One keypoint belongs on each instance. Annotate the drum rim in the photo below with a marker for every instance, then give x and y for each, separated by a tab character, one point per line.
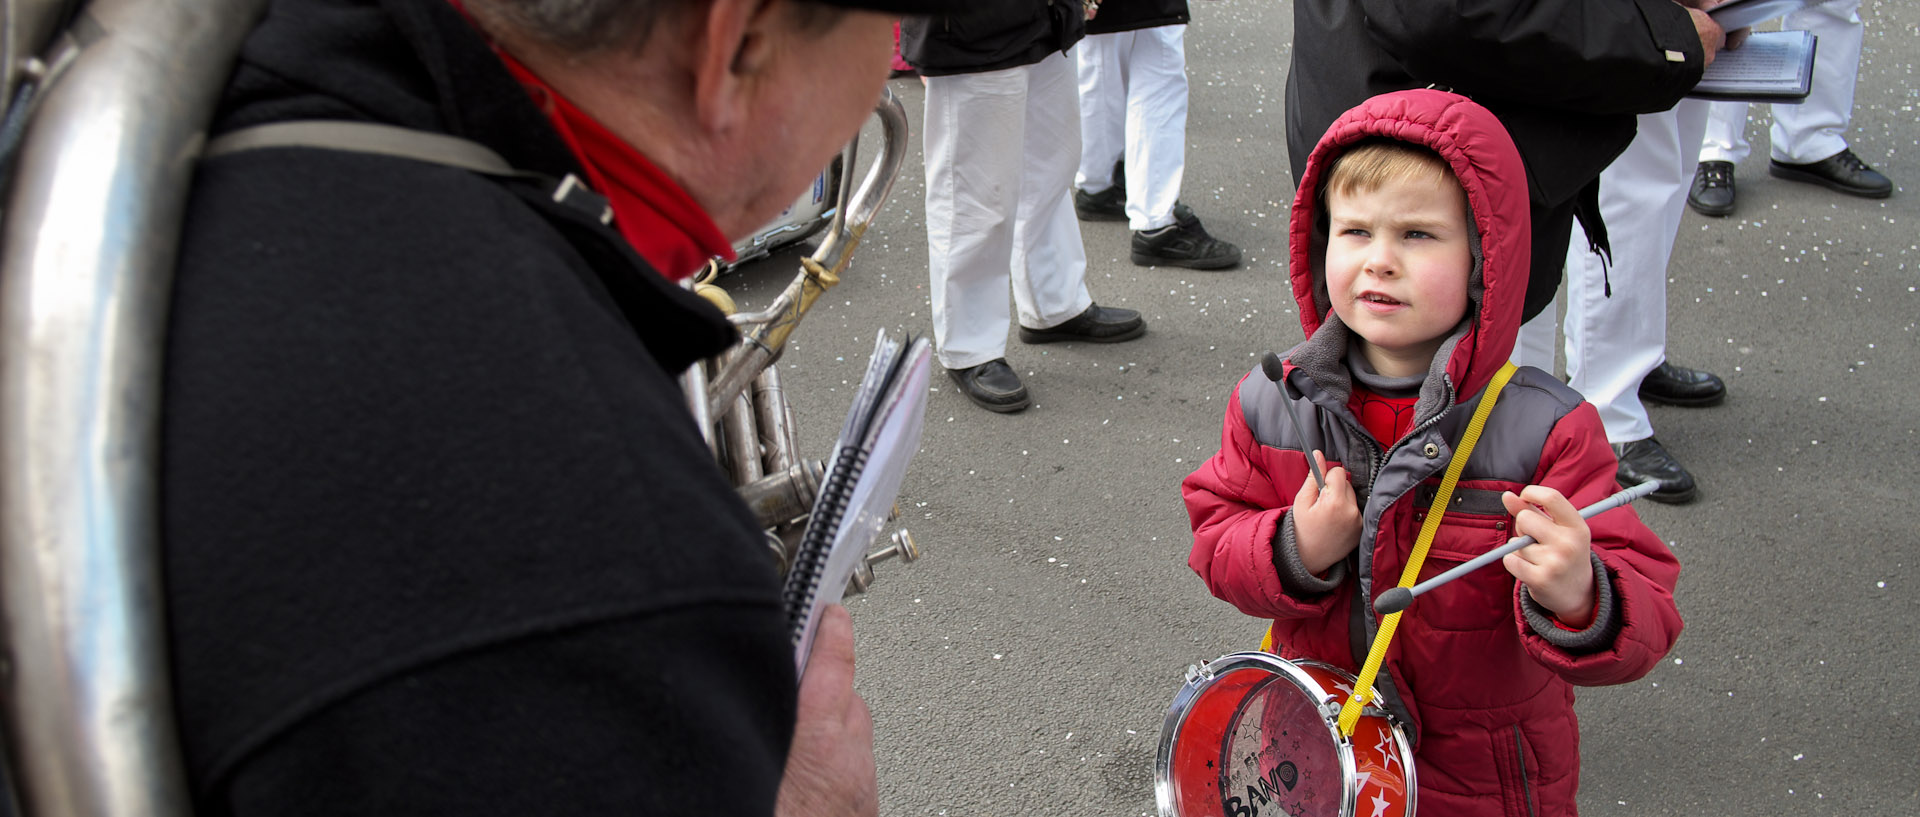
1206	674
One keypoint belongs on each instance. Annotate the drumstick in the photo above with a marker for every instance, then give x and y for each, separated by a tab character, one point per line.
1397	599
1278	374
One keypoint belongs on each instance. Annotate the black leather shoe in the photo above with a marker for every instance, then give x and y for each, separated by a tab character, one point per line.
1107	205
1099	324
1681	386
1842	171
993	386
1184	243
1643	460
1712	192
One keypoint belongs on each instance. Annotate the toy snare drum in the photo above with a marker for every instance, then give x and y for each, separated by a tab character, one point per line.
1254	734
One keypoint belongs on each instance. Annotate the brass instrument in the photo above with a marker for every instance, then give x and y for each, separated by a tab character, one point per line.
92	223
738	399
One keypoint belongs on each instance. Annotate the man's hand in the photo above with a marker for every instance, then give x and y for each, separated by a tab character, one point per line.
830	770
1712	37
1557	568
1326	523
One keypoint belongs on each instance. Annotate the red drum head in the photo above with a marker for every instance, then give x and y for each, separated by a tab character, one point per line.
1253	734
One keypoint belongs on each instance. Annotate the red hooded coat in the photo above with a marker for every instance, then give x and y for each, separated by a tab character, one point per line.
1482	675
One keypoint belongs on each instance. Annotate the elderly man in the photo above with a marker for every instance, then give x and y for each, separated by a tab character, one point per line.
441	537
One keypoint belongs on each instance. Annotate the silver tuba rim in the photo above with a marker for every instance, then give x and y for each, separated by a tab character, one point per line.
92	227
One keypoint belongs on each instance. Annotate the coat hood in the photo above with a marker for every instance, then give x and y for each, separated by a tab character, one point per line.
1484	159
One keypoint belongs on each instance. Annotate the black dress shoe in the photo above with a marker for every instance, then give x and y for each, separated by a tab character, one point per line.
1842	171
1712	191
1107	205
1681	386
993	386
1644	460
1099	324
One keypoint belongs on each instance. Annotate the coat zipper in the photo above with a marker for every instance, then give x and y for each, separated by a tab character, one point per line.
1526	785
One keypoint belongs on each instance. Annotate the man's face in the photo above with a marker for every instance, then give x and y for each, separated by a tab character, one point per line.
811	106
1397	266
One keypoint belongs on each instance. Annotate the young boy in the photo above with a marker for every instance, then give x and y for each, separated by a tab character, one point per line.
1409	262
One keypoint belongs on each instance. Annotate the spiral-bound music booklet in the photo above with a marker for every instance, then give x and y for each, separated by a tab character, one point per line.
862	479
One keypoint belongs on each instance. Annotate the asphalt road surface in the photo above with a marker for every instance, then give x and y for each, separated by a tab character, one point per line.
1024	666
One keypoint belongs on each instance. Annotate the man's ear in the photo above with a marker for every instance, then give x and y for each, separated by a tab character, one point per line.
736	45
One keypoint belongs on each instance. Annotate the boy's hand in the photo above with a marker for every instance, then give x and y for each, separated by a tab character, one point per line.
1558	567
1326	523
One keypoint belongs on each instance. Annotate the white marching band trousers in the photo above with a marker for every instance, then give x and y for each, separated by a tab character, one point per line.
1133	103
1001	147
1613	342
1814	129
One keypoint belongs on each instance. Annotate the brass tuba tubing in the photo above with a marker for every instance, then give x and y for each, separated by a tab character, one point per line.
783	496
92	227
773	415
742	442
694	383
767	331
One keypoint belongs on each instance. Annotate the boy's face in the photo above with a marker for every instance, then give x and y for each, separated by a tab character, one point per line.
1397	267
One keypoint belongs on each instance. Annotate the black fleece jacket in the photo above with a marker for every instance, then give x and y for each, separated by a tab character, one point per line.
440	536
992	35
1132	15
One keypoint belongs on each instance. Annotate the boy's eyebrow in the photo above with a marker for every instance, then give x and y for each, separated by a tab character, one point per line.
1422	223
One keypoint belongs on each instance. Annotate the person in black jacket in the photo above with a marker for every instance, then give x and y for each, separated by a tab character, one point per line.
1002	139
1567	78
1133	107
440	535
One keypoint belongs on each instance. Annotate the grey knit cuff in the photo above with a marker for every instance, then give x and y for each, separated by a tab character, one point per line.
1294	576
1597	636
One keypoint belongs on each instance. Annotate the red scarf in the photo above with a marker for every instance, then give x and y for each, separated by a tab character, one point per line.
664	224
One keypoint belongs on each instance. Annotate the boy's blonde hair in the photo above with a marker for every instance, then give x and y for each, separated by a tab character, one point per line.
1373	163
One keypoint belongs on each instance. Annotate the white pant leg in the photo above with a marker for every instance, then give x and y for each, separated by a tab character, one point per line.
1613	342
1049	264
1534	346
974	127
1817	128
1156	125
1726	139
1102	64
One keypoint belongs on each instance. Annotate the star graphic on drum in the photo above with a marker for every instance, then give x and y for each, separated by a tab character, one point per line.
1343	688
1379	806
1384	749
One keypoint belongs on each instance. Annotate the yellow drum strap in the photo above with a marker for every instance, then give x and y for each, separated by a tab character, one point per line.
1363	688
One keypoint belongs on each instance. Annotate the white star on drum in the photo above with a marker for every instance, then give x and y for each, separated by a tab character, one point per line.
1379	806
1388	757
